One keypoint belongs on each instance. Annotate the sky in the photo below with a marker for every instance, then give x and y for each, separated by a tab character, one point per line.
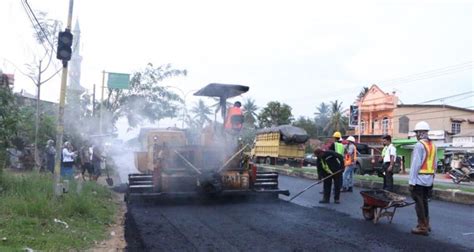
297	52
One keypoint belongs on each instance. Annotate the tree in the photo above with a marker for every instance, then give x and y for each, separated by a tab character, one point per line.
250	112
321	119
201	114
145	99
362	93
337	122
308	125
9	118
275	114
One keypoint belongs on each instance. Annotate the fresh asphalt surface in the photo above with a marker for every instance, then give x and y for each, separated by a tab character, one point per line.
302	225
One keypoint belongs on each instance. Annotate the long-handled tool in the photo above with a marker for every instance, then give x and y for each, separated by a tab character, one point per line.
315	183
109	180
188	163
232	158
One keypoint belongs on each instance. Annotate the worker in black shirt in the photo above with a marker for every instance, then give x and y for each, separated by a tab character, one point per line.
330	163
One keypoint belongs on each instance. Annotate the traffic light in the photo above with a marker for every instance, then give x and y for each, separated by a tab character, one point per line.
64	51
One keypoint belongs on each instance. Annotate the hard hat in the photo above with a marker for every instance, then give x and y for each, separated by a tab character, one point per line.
351	139
336	134
422	126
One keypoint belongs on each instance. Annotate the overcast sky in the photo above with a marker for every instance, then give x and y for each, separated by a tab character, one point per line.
298	52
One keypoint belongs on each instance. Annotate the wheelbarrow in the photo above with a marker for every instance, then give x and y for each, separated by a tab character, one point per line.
382	203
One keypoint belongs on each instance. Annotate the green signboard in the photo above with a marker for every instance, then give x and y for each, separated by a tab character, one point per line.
118	80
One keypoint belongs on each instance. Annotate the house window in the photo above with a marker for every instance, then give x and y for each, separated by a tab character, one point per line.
385	126
403	123
362	126
455	127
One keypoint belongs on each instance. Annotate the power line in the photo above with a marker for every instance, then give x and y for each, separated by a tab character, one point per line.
443	69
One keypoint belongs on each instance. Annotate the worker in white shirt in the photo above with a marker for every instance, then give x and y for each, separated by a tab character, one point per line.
389	155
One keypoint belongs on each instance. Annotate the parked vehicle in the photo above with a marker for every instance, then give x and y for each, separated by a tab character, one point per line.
280	145
370	161
309	159
465	172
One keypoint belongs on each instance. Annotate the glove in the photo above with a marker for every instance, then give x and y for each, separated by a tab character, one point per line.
411	187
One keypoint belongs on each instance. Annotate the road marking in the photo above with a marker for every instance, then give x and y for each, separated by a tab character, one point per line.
472	233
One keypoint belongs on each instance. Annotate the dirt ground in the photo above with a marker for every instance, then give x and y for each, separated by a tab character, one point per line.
116	232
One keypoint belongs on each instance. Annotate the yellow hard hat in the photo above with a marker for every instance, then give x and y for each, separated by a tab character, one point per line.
336	134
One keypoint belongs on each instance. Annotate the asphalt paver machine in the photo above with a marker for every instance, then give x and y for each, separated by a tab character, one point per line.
174	163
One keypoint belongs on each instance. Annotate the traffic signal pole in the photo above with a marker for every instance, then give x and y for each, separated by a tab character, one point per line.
58	187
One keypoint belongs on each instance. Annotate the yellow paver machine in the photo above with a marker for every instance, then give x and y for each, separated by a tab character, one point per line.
172	162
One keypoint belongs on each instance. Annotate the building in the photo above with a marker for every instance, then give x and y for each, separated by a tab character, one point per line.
75	63
445	120
464	140
376	115
381	114
6	80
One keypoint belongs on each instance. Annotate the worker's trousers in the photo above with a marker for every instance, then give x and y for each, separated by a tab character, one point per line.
420	195
337	178
347	181
388	177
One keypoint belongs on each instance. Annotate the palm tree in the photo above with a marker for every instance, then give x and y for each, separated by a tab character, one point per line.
250	111
321	118
362	93
201	113
336	119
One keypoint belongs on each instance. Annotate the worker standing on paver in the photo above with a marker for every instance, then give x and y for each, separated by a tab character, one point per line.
421	179
389	154
350	159
330	163
234	118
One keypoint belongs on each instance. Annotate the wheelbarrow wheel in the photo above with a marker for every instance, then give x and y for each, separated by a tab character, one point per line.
368	212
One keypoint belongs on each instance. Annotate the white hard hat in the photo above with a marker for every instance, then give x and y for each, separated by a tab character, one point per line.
351	139
422	126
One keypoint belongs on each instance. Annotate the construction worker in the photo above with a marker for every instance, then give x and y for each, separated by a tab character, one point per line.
350	159
389	154
338	147
330	163
423	166
234	118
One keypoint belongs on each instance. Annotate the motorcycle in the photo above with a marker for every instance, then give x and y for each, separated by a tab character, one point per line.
463	174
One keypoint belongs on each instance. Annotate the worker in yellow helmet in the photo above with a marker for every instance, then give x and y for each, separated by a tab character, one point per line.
338	147
421	178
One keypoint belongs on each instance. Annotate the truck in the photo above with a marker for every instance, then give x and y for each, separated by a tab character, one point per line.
279	145
369	160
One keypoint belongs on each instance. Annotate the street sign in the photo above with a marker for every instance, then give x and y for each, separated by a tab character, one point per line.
354	116
118	80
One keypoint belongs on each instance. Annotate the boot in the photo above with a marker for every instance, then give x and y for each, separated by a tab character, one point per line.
324	201
420	229
428	226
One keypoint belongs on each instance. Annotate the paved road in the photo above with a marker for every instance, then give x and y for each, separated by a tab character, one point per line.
453	223
243	225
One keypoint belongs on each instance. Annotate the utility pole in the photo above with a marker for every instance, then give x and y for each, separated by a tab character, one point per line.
359	119
38	95
101	102
58	188
93	101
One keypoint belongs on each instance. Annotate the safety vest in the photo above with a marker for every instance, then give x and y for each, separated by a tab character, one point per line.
326	167
233	111
348	160
428	165
339	148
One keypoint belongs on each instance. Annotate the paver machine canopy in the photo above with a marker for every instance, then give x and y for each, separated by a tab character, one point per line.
223	92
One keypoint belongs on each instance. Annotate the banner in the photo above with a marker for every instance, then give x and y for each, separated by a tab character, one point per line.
354	116
118	80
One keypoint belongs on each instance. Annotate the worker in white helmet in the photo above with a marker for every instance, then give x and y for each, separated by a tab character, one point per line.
421	179
350	160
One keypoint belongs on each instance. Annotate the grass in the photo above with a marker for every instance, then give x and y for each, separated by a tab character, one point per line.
28	209
398	181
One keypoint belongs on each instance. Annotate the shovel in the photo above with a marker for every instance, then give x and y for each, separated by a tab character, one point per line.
315	183
109	180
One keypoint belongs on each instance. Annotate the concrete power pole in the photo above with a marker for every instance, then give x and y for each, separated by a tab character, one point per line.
38	95
58	187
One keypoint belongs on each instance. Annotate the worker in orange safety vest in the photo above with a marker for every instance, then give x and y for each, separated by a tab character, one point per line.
421	178
234	117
